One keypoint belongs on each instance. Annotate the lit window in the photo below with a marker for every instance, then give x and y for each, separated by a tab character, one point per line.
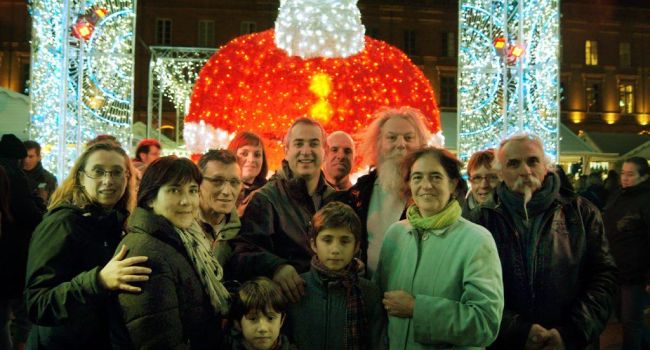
626	97
591	53
624	55
206	33
163	31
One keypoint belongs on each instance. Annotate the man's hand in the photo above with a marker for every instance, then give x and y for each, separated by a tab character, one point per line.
119	272
399	303
537	337
293	287
554	341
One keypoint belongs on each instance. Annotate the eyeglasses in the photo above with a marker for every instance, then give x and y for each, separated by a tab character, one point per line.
99	173
478	178
219	181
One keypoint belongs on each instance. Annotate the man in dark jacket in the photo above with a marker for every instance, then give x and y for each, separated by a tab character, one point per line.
558	274
27	212
41	181
627	223
273	239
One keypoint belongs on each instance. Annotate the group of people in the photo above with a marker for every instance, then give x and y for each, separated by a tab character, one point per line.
213	255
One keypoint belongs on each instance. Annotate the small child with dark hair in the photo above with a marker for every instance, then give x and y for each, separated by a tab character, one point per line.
339	310
258	310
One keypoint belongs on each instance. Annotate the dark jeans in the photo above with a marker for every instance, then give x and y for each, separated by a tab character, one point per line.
633	300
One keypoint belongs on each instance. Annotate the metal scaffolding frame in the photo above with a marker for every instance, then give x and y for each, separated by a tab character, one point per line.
172	73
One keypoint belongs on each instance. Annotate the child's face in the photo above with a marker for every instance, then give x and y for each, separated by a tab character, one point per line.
261	331
335	247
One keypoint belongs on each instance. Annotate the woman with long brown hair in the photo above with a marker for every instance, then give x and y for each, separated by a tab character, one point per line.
71	268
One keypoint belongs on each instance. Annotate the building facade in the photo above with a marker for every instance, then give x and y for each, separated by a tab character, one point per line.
605	72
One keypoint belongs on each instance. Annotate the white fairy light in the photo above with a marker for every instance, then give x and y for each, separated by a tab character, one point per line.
311	28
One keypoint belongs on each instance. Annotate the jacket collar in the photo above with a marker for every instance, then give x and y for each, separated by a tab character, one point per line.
298	186
642	187
37	169
145	221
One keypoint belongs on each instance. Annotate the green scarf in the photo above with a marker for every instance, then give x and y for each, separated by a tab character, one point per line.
449	215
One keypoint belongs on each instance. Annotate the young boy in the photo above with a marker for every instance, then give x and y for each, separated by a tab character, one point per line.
339	309
258	310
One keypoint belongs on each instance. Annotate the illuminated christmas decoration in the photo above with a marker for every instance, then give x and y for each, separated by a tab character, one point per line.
172	73
251	84
86	23
508	73
81	75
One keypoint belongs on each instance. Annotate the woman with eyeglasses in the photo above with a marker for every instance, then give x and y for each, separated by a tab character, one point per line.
180	307
483	178
71	270
251	156
439	273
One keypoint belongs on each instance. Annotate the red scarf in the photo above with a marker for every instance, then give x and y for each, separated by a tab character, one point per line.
356	323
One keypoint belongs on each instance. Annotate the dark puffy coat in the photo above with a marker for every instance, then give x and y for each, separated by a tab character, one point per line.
63	296
27	212
627	223
275	227
172	311
573	282
39	175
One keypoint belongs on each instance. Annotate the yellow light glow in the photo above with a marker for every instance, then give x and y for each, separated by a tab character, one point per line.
643	119
576	117
321	85
321	111
610	118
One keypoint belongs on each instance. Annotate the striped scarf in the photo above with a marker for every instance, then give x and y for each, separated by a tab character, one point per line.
206	265
356	323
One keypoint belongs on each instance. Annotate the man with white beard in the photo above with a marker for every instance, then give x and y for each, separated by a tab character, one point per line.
558	274
377	197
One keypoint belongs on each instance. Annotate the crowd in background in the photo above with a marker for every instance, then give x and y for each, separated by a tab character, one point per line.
161	252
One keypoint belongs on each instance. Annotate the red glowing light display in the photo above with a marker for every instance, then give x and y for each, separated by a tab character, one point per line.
250	84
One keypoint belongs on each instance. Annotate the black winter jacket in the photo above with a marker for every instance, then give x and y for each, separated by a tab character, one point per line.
172	311
63	296
39	175
573	280
27	211
627	223
275	227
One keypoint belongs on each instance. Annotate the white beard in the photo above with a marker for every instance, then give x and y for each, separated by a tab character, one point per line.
528	190
389	175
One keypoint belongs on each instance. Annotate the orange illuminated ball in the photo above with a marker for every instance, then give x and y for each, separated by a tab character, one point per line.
250	84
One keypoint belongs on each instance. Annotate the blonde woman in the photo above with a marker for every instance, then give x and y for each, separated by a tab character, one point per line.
71	268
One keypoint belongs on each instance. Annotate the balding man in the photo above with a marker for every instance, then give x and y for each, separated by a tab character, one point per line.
339	158
558	274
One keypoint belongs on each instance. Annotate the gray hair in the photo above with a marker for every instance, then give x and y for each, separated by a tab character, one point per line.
524	136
